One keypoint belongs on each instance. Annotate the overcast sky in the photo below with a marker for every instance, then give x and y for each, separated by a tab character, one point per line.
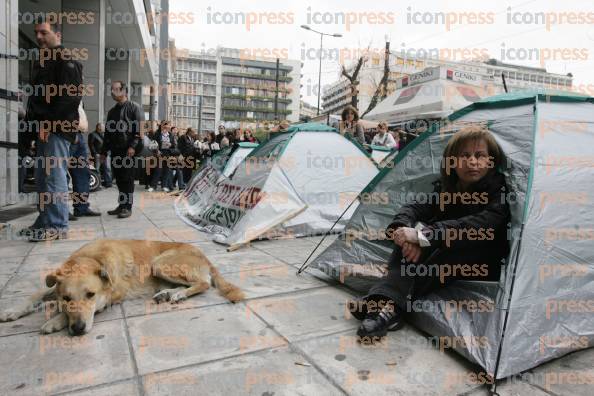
482	28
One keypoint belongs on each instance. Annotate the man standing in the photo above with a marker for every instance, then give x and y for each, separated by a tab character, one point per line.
123	139
188	151
53	115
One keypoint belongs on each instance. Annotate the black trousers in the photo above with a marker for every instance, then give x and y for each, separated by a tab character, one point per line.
123	170
407	282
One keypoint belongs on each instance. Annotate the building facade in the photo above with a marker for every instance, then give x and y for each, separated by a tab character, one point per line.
338	95
194	91
114	40
224	88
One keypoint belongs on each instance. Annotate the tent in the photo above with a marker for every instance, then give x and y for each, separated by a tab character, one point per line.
296	183
541	307
236	156
379	153
434	99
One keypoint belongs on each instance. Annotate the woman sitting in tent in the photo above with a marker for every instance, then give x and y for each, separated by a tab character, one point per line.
349	124
459	235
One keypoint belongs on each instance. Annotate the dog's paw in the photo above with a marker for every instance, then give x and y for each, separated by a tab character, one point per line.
178	296
54	324
162	296
9	316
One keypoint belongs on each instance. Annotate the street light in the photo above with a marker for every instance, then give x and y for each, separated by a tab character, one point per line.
320	70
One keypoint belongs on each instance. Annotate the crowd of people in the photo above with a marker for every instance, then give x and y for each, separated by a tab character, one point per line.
169	154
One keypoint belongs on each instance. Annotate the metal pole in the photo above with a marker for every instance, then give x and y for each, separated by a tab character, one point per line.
320	73
200	114
276	94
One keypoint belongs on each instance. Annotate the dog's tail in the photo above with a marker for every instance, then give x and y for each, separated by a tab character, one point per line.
228	290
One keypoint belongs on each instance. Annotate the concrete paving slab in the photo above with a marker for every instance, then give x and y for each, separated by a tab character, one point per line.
405	363
9	266
572	374
126	388
187	337
305	314
242	261
510	387
31	364
24	284
270	281
15	249
273	372
43	263
60	246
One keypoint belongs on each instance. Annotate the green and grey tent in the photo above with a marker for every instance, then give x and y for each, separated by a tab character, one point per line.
543	303
296	183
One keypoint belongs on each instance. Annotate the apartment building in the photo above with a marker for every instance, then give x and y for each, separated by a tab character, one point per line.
223	87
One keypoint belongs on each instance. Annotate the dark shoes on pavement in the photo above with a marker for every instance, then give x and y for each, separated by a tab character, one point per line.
115	211
47	235
376	322
124	214
88	213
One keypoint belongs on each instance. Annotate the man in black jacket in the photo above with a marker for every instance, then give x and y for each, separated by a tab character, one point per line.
52	115
123	139
188	151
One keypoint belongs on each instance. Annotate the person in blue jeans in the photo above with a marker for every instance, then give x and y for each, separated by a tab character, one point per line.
54	120
79	171
51	183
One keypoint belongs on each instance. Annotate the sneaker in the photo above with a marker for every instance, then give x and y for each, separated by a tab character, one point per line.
48	235
166	189
72	217
124	214
89	213
151	189
388	319
116	211
26	232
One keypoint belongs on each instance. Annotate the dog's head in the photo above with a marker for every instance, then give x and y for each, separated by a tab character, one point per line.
82	288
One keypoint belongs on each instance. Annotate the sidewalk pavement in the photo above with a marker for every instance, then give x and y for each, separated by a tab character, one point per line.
291	336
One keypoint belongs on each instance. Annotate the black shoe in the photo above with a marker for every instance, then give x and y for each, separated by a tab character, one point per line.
48	235
26	232
89	213
388	319
72	217
124	214
116	211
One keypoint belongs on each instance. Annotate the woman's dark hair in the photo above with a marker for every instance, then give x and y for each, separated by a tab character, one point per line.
349	109
449	177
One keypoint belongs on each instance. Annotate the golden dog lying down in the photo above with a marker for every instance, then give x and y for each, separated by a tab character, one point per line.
104	272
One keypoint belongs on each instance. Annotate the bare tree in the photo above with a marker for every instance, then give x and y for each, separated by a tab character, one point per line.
381	91
353	79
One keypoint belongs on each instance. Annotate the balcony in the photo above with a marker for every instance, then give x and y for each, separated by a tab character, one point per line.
258	109
255	97
257	76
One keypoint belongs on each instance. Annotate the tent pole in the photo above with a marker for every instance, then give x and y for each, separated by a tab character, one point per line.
303	266
493	388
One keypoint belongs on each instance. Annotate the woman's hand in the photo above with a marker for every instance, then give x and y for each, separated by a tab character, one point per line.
406	234
411	252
